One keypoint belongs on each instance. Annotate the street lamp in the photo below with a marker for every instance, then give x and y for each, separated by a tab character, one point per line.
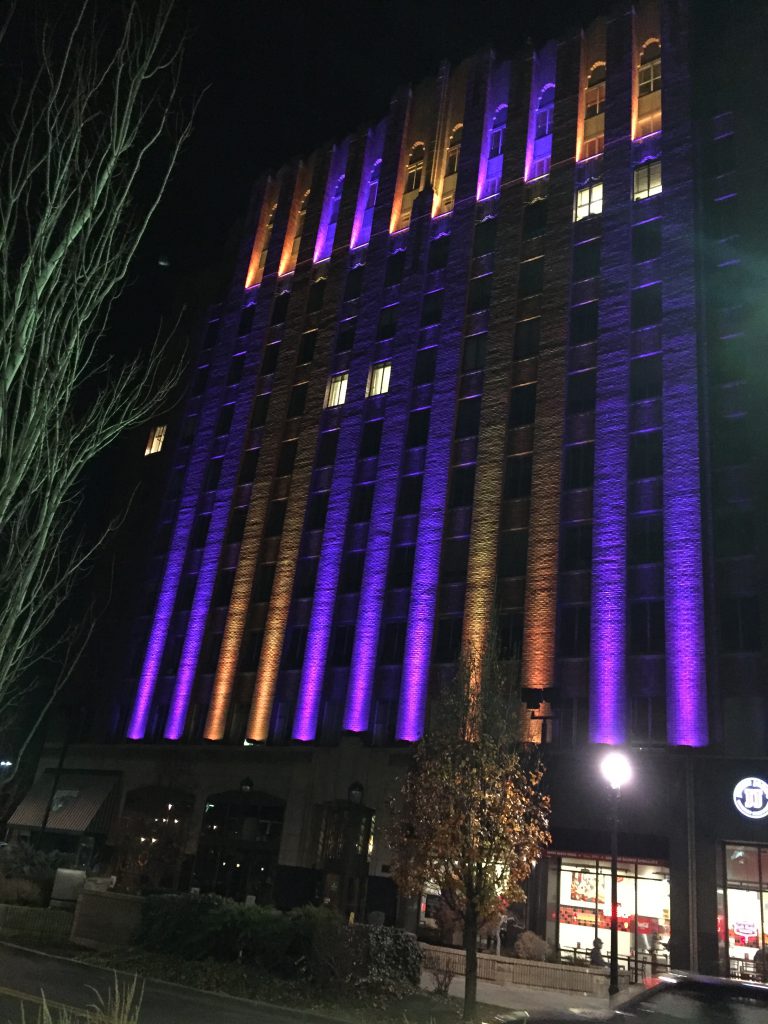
617	772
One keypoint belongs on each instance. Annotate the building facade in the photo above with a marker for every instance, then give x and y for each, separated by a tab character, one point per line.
493	364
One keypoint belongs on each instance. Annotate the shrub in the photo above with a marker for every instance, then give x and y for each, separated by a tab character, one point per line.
530	946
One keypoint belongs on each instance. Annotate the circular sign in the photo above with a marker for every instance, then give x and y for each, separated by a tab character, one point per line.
750	797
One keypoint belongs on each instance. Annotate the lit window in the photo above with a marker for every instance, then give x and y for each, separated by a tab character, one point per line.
333	213
378	380
373	186
496	143
649	124
595	97
589	201
649	72
545	112
592	147
415	168
336	390
454	147
155	440
647	180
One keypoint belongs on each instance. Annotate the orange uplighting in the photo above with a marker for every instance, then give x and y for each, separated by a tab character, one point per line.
296	222
263	236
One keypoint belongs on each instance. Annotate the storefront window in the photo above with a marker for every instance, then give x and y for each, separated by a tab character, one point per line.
584	907
746	874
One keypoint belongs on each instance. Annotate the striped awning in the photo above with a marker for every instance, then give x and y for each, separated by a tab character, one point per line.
77	800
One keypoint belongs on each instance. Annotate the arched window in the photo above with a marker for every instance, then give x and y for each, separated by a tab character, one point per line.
333	211
373	185
414	170
267	236
301	217
454	148
496	142
545	111
595	97
649	73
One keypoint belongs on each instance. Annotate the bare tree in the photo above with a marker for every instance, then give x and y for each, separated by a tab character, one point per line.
86	151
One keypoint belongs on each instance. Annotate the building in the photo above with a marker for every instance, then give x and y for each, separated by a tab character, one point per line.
499	356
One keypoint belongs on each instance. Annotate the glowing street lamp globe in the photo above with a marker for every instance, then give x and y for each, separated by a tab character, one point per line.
616	769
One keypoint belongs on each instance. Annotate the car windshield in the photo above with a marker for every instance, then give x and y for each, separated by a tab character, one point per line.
700	1004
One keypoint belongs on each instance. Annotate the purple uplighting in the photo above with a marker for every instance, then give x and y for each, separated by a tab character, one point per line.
326	233
369	186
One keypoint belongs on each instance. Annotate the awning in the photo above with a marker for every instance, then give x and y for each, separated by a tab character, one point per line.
77	801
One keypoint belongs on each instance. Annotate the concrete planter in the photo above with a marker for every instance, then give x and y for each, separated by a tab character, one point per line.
106	920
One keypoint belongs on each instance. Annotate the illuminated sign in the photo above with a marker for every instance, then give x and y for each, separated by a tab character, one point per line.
750	797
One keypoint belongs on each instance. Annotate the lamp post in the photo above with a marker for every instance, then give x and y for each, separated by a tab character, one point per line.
617	772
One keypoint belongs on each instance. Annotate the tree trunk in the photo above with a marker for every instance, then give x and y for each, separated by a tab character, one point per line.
470	971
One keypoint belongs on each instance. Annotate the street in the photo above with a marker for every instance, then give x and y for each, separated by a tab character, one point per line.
23	972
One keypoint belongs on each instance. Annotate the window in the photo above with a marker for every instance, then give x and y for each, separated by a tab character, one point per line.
527	335
260	407
573	630
295	642
371	440
646	539
268	228
594	100
479	293
223	589
373	185
645	378
211	655
246	320
387	323
201	377
395	266
409	498
301	218
269	359
646	306
645	455
353	284
576	551
462	487
225	419
286	458
336	390
341	645
213	475
298	400
732	441
352	572
307	348
496	135
513	553
326	448
646	241
315	297
485	237
522	406
468	418
646	627
392	644
517	476
345	339
401	566
362	503
535	218
437	258
414	170
236	527
589	201
647	180
306	574
453	566
586	260
509	636
735	532
545	112
531	278
418	428
581	392
474	353
649	72
317	510
424	370
432	308
579	466
447	640
251	650
740	624
155	440
378	379
280	308
236	367
454	148
584	323
248	466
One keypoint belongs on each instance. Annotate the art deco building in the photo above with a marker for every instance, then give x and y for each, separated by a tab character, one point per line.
501	357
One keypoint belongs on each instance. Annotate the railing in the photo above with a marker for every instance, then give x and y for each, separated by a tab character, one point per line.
747	970
636	966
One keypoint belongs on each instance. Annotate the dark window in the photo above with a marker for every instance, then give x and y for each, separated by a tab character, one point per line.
275	518
447	640
474	353
280	308
248	466
527	335
648	718
535	218
352	572
341	645
740	624
418	428
531	278
438	253
581	391
213	475
286	458
424	371
236	525
315	297
211	333
432	308
251	650
346	336
200	531
576	551
455	558
201	377
188	429
479	293
246	319
468	417
726	221
395	266
269	359
392	644
646	539
485	237
171	656
401	565
211	655
297	401
236	369
326	448
409	497
645	378
732	443
573	631
645	458
586	260
164	539
735	532
513	553
387	323
722	151
646	241
306	574
517	476
260	407
509	636
371	440
317	510
223	590
579	466
295	642
186	593
646	306
307	348
462	486
262	584
353	284
584	323
225	420
522	406
646	627
362	503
